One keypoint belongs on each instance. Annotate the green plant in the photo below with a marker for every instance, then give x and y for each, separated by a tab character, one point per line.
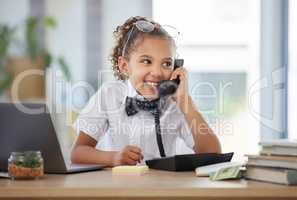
33	44
30	160
33	47
6	35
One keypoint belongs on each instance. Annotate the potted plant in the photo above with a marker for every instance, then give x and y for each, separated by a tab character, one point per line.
6	34
35	58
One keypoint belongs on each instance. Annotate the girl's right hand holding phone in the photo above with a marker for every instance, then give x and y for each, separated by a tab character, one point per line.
129	155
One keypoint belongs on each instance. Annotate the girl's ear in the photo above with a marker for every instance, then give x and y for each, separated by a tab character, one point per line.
123	65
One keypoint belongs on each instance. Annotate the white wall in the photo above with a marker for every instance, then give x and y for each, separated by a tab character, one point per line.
292	69
68	38
13	13
273	93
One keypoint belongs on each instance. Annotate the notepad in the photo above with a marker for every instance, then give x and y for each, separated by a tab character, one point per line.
130	170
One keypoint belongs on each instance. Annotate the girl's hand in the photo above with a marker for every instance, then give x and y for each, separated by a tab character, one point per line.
181	94
130	155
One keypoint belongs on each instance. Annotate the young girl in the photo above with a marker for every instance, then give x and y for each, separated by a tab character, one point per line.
131	130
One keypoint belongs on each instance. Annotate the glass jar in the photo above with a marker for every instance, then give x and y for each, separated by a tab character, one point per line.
25	165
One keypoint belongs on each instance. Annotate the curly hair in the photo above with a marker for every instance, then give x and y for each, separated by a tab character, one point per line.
126	41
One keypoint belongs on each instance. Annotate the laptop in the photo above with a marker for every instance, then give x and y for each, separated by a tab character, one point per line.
21	130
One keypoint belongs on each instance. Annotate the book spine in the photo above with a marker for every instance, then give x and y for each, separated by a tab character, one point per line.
292	177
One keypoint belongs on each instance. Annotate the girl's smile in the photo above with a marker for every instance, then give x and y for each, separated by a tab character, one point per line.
150	63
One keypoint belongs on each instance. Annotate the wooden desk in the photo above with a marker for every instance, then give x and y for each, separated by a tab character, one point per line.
154	185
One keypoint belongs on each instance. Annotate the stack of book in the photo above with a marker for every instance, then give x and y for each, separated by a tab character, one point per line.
276	163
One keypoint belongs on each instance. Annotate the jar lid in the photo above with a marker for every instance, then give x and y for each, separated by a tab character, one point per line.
26	153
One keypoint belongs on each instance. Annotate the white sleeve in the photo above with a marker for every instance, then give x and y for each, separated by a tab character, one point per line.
93	119
186	133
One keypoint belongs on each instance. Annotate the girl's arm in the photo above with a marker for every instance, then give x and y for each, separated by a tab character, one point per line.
84	152
205	140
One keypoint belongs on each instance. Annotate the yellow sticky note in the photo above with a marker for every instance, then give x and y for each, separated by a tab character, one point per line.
130	170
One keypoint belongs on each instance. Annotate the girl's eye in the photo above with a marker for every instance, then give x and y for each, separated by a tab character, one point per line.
146	61
167	64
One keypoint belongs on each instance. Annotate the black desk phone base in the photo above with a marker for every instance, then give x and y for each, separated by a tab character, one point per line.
188	162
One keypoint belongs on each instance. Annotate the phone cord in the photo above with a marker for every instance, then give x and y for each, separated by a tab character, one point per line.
156	114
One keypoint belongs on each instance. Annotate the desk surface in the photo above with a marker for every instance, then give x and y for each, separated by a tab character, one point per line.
154	185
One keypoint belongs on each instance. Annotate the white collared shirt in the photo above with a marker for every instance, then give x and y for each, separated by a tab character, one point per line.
105	119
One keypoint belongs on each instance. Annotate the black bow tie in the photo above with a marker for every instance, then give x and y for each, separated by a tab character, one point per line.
132	107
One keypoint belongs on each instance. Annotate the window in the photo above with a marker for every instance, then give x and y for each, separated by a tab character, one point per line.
292	70
220	44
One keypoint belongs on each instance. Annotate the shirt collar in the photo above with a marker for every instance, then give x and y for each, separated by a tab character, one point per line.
132	92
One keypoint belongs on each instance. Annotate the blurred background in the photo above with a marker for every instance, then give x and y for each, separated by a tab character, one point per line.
240	55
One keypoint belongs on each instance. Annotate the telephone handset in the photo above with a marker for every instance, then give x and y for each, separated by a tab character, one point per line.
168	87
